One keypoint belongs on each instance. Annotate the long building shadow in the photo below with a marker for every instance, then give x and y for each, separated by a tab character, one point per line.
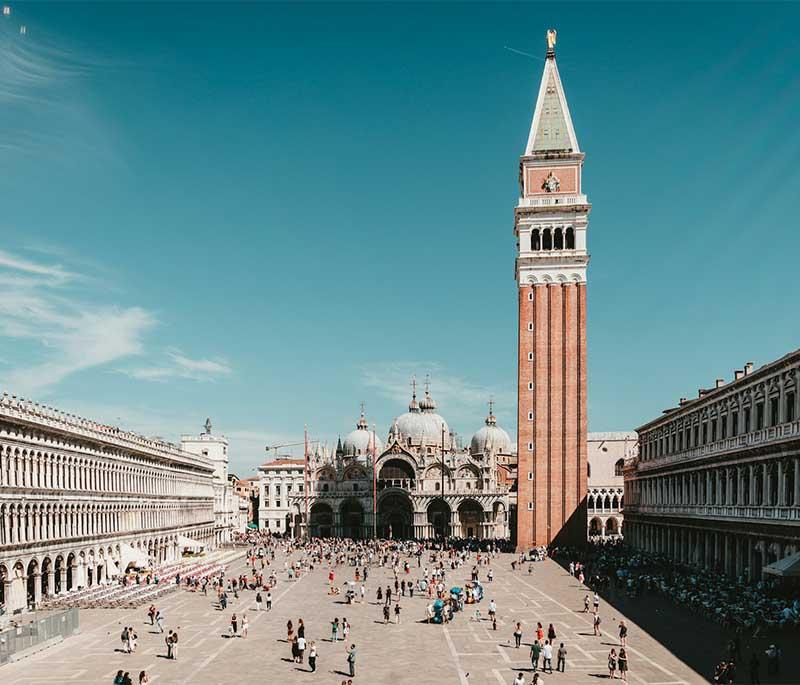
698	641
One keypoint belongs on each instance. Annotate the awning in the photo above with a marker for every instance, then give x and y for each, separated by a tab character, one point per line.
188	543
132	558
788	567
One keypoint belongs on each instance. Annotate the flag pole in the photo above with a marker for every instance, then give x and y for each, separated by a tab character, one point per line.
306	479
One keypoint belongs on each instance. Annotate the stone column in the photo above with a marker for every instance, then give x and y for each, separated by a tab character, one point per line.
37	589
728	555
51	582
781	484
765	497
752	485
62	579
797	478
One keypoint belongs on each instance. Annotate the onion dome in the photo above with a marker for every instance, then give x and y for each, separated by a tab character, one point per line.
421	424
490	438
358	443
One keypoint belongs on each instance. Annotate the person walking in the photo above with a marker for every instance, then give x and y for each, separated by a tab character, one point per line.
160	620
301	648
168	642
312	656
622	664
518	635
335	629
547	653
596	625
612	663
124	639
234	626
586	602
397	613
536	650
245	625
596	602
562	658
259	601
351	660
519	680
269	600
144	679
551	633
385	614
623	633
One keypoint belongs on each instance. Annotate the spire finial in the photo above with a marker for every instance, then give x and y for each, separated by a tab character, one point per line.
491	420
362	422
207	426
413	406
427	384
551	42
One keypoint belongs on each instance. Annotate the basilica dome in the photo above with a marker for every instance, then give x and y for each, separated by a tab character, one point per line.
421	426
358	442
490	438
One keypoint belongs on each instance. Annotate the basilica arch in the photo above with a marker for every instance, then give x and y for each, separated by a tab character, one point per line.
321	522
439	517
470	515
351	516
395	516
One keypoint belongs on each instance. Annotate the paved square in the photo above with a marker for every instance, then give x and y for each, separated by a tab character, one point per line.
465	651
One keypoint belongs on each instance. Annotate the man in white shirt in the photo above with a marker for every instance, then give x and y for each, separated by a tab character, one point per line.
519	680
547	653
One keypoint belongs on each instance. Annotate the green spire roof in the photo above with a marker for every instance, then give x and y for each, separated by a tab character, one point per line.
552	125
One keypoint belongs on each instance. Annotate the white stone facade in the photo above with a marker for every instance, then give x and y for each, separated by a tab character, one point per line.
280	485
607	453
717	479
75	493
226	502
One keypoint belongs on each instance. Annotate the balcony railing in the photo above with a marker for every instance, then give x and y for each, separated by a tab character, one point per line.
789	514
402	483
784	431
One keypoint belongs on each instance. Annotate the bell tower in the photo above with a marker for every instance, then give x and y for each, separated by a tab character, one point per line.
550	223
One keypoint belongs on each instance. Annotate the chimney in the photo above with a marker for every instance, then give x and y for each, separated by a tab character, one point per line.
737	374
719	382
682	401
748	368
701	392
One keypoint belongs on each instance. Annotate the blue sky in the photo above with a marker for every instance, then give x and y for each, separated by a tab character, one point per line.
266	213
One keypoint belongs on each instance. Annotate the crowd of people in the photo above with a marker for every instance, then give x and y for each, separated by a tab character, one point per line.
395	573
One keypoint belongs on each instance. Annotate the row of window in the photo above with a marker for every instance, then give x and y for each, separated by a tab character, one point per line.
731	424
553	239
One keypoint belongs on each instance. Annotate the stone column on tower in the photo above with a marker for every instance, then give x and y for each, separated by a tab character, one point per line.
551	220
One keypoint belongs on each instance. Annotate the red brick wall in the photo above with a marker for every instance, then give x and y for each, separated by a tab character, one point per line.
558	402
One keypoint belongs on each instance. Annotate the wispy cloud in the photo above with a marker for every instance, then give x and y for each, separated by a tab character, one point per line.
179	365
36	304
62	329
43	108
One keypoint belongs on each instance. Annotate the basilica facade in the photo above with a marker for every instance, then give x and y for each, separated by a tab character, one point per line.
420	484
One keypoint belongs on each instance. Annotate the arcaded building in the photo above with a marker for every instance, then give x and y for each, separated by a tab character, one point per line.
717	479
550	225
607	453
420	484
80	500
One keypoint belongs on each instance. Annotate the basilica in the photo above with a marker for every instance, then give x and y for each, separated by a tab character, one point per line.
420	484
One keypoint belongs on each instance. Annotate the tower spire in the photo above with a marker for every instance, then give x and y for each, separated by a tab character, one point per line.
551	129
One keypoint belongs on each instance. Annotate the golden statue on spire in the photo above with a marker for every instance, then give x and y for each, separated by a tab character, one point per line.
551	40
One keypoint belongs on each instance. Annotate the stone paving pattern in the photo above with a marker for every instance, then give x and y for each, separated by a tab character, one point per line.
465	651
